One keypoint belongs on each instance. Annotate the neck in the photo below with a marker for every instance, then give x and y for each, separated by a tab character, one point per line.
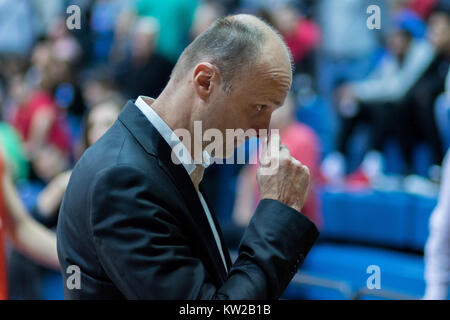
177	110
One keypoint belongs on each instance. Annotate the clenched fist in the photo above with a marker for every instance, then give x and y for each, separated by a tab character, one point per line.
280	176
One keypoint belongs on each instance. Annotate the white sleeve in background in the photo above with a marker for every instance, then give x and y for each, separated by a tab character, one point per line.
395	81
437	248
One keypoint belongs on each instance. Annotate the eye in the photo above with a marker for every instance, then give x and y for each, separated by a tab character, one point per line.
259	107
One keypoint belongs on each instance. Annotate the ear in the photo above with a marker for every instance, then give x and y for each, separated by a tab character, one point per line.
204	76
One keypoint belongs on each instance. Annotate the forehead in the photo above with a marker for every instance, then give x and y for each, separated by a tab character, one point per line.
269	81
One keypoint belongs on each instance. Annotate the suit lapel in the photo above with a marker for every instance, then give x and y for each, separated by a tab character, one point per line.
150	139
182	180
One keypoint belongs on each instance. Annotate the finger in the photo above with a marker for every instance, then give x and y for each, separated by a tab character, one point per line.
263	154
284	152
296	162
274	144
305	168
283	146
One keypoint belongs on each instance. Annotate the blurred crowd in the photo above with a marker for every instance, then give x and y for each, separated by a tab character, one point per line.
361	99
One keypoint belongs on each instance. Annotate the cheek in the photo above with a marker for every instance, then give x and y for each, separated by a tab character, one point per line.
262	122
230	119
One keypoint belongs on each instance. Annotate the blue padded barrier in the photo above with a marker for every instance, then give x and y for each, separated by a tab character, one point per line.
311	286
367	216
392	219
52	285
401	273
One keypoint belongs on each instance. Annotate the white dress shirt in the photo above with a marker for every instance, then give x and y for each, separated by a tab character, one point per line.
185	157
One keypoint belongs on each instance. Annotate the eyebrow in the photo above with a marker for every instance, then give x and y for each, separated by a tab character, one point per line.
276	102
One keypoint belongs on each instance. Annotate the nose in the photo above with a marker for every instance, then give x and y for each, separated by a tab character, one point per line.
262	130
265	125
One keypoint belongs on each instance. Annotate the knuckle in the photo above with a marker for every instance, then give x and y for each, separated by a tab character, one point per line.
284	154
296	162
284	160
284	149
306	169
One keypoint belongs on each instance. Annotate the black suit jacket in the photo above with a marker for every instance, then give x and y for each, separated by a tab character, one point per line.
132	221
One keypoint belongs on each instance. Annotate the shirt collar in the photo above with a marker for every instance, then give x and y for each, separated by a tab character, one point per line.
169	136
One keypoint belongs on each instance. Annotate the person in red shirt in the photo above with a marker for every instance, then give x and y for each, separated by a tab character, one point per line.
301	35
423	7
35	115
39	121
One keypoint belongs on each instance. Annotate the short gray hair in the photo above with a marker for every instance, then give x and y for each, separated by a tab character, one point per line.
229	44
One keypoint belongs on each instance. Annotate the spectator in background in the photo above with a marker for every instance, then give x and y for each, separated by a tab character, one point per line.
437	248
422	7
416	118
375	100
64	46
348	46
37	118
97	121
26	235
301	34
176	16
98	85
146	72
40	59
303	145
204	16
65	56
25	275
103	21
47	143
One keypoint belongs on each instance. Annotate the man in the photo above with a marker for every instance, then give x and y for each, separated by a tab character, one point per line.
416	116
373	101
135	222
145	70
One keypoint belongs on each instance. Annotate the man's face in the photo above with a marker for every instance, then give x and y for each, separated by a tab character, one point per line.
100	119
49	162
439	31
249	105
143	45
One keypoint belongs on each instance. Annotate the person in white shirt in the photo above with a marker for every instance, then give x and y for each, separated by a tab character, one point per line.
437	248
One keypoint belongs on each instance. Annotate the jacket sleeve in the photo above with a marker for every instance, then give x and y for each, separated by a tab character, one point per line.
145	251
